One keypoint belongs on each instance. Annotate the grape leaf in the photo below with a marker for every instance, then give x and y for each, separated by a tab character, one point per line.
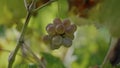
52	62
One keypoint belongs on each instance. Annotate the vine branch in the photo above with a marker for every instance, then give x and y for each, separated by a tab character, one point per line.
111	46
19	43
30	9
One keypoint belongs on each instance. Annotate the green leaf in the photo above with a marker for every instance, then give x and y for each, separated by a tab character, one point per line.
21	65
32	66
52	61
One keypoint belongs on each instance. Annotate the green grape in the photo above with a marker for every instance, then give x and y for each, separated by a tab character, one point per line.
57	40
50	29
46	39
67	42
66	22
57	21
71	29
60	29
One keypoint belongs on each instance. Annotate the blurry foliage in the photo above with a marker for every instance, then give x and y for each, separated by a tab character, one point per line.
56	62
109	16
89	47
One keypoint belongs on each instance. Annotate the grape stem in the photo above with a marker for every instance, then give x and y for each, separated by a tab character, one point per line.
112	44
49	2
26	5
30	10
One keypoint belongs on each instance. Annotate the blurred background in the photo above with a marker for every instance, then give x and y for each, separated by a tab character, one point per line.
89	46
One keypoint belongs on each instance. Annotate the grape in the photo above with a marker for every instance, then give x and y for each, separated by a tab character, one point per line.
57	40
50	29
52	46
57	21
60	29
47	39
66	22
60	33
67	42
74	27
71	36
71	29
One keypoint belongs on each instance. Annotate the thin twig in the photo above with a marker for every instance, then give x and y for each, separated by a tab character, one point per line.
26	5
12	55
34	55
112	43
8	51
5	50
49	2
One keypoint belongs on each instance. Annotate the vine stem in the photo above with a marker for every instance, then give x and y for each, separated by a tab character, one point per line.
20	41
12	55
112	43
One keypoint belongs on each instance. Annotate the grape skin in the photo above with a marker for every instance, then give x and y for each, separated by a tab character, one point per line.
60	29
47	39
66	22
57	40
57	21
71	29
67	42
50	29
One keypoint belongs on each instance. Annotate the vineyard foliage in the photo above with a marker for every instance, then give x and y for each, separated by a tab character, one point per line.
90	43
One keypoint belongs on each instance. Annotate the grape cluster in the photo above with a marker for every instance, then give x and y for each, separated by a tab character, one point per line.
59	33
